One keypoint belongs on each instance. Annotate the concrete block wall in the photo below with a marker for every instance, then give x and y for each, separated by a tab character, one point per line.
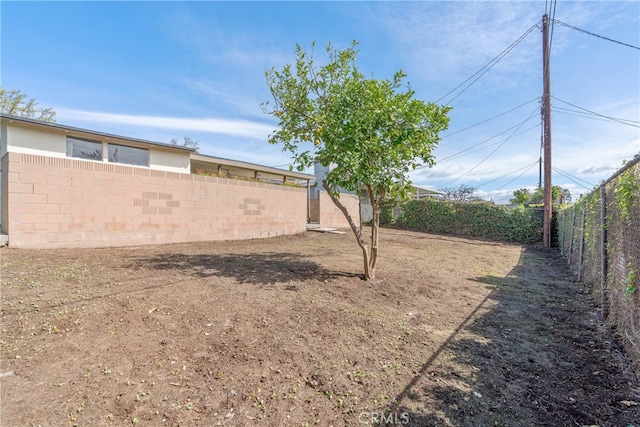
327	214
62	202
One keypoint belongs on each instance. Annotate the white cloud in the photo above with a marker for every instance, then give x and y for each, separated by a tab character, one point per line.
240	128
451	39
500	197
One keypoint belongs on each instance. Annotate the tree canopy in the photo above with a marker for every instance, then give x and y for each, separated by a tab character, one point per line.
526	197
369	132
18	103
464	193
186	142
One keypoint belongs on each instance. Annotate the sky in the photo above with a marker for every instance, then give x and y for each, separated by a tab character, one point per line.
164	70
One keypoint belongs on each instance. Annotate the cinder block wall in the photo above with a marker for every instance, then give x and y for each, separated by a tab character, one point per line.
58	202
327	214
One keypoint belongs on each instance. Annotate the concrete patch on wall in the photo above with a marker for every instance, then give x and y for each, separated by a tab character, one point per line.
251	206
155	203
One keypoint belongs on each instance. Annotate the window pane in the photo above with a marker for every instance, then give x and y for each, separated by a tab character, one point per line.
128	155
84	149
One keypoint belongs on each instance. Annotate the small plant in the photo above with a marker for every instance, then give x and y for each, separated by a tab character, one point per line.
630	281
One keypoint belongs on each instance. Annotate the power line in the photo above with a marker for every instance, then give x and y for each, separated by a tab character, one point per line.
486	68
466	150
530	166
527	167
582	114
461	152
489	119
595	35
573	178
553	17
497	148
621	121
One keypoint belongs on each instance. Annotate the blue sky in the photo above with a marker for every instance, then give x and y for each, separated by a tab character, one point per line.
160	70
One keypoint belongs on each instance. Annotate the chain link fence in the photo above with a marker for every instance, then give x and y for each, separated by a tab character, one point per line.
600	238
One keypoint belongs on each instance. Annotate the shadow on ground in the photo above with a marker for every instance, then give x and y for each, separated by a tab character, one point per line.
533	353
259	268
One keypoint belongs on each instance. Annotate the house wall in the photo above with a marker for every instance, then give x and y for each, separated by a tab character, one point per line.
20	139
63	202
366	210
3	151
314	210
169	161
4	205
326	213
33	141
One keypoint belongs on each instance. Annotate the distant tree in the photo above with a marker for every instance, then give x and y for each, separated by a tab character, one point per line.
371	132
186	142
464	193
18	103
527	198
521	197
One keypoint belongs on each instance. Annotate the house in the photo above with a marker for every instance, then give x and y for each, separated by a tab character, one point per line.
322	209
63	186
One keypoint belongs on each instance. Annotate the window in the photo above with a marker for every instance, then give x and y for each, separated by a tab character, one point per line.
84	149
128	155
92	150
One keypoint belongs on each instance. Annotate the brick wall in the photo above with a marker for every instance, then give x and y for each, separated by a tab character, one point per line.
59	202
327	214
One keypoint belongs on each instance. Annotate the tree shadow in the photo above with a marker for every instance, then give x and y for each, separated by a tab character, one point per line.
531	353
257	268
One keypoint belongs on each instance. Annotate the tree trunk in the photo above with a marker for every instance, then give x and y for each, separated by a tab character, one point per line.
375	225
356	231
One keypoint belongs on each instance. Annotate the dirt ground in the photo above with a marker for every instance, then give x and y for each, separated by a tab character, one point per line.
283	332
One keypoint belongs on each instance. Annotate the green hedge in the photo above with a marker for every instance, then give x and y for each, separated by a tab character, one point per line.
481	220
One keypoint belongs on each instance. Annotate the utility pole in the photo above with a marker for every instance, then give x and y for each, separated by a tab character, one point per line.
546	126
540	172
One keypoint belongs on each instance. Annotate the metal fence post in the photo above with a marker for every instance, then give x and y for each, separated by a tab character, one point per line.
581	248
603	250
573	226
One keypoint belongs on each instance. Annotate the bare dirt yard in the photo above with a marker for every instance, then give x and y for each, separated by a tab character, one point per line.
283	332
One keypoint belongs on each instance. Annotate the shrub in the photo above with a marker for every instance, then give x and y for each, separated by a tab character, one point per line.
482	220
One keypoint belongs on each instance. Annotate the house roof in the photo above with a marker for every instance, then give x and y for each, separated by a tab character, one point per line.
250	166
424	190
194	155
39	123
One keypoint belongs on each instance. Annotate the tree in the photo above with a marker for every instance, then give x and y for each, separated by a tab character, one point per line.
565	195
369	131
521	197
18	103
186	142
464	193
526	198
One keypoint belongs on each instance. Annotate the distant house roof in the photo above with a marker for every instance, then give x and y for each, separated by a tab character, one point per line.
11	118
421	193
